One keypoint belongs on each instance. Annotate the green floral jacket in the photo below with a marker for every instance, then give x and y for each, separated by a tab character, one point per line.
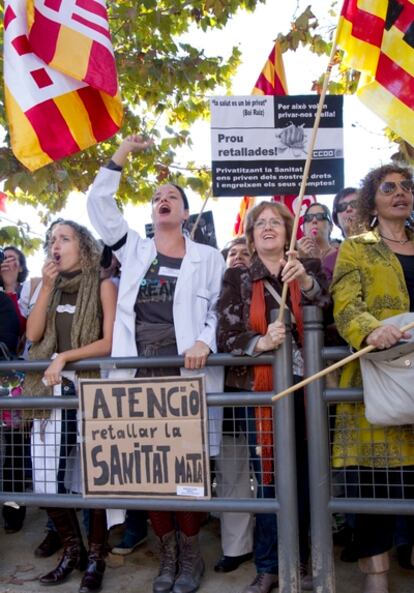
368	286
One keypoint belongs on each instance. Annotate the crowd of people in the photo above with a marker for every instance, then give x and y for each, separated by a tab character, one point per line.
169	295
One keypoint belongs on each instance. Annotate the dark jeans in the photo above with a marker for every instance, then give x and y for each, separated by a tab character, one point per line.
374	533
265	536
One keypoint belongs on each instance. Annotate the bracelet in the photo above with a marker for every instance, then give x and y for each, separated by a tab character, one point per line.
311	288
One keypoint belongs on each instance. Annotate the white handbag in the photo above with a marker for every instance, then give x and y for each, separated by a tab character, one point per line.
388	380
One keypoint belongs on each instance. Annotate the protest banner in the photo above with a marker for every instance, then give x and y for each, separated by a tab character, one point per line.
145	437
259	145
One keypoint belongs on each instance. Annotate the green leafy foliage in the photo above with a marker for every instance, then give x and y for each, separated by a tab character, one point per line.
164	85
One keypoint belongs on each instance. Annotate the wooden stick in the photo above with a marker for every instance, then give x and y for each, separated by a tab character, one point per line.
333	367
307	166
193	230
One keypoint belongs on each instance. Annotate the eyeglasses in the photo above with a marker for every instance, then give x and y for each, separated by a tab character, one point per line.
319	216
342	206
389	187
262	223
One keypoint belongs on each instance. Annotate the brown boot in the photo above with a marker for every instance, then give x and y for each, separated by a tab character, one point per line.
92	579
74	553
191	565
262	583
164	582
376	570
49	546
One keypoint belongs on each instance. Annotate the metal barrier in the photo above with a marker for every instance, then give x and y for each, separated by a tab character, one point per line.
285	502
323	500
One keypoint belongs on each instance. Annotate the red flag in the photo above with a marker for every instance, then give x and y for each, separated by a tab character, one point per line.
3	198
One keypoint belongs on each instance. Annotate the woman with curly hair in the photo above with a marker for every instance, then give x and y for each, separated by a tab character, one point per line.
71	320
374	280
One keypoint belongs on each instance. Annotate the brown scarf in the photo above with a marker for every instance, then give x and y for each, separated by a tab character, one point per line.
262	374
86	327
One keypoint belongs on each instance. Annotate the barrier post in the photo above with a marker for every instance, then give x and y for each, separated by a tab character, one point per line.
318	450
285	470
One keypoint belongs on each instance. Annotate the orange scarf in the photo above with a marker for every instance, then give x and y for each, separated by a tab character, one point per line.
263	373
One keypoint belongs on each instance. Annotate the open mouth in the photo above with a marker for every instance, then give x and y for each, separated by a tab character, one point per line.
164	209
56	258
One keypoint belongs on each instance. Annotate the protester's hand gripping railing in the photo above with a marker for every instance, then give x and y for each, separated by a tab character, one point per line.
284	440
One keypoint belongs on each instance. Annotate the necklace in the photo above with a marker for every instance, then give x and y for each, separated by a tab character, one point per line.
403	242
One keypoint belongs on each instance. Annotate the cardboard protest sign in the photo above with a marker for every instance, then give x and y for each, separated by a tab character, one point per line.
259	145
145	437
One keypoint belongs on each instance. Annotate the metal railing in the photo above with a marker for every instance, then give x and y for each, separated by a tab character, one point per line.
323	502
285	502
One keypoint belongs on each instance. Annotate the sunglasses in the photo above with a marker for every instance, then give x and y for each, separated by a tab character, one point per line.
319	216
389	187
342	206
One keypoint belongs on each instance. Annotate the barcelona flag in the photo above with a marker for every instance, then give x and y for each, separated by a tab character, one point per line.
61	88
377	37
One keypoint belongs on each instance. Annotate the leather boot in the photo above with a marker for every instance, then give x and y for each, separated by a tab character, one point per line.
92	579
191	565
376	570
74	553
168	564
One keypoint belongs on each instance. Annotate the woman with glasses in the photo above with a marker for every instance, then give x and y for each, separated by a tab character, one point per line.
374	280
247	298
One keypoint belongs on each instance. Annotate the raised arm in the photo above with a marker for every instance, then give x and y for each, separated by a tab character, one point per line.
103	211
36	322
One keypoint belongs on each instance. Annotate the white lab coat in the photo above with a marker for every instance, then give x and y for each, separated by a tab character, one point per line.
196	292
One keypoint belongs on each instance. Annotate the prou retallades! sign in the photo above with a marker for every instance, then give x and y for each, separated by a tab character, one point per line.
145	437
259	145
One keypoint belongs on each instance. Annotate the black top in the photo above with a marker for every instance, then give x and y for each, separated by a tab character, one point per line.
155	298
407	264
9	323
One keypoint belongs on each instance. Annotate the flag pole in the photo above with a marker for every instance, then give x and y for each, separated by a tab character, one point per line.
308	164
193	230
333	367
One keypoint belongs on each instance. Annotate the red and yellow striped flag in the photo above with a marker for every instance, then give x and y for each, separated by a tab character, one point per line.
377	37
271	81
61	88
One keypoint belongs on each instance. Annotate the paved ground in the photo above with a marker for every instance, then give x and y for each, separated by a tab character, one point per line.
19	569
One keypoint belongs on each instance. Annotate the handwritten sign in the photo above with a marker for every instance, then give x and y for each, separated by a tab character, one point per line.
145	437
259	145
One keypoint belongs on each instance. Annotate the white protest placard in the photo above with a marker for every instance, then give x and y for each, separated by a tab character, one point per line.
145	437
259	145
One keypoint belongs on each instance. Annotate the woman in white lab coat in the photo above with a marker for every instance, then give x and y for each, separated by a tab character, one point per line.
166	305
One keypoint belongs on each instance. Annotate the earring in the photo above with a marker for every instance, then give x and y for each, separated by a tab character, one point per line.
373	221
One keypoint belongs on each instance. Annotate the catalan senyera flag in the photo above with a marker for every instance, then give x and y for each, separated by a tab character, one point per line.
271	81
377	37
61	88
